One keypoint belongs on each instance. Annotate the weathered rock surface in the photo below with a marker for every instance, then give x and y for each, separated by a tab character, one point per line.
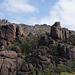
10	54
39	62
10	32
26	67
58	33
19	31
66	51
39	58
7	32
7	67
1	62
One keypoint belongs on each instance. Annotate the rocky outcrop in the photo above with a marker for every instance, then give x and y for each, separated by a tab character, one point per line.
38	62
4	21
19	31
59	33
41	60
66	51
10	32
7	32
1	62
56	31
7	67
26	67
10	54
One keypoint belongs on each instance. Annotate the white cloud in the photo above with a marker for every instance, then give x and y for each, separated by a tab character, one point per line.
16	6
63	11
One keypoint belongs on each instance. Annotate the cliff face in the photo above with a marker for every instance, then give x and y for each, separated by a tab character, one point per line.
59	33
7	32
10	32
21	52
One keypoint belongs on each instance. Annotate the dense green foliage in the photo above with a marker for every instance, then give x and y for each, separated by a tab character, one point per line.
27	44
61	69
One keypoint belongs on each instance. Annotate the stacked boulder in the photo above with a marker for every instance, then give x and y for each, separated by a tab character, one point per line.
59	33
66	51
19	31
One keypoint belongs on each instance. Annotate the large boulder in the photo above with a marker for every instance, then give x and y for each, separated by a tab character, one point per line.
8	67
10	31
1	62
66	51
10	54
56	31
7	32
19	31
62	50
59	33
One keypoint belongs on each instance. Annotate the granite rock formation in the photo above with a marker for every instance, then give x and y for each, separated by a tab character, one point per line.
66	51
20	54
9	54
59	33
10	32
7	32
7	67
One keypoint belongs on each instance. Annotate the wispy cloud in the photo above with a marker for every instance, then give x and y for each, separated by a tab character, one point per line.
24	11
16	6
62	11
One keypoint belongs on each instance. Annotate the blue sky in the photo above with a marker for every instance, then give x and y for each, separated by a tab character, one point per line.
33	12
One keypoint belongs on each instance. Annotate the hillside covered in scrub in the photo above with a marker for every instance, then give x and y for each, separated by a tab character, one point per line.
36	50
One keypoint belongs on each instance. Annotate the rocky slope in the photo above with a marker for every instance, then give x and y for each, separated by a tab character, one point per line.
26	49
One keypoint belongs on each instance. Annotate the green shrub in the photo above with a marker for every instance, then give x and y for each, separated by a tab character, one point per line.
26	44
66	73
